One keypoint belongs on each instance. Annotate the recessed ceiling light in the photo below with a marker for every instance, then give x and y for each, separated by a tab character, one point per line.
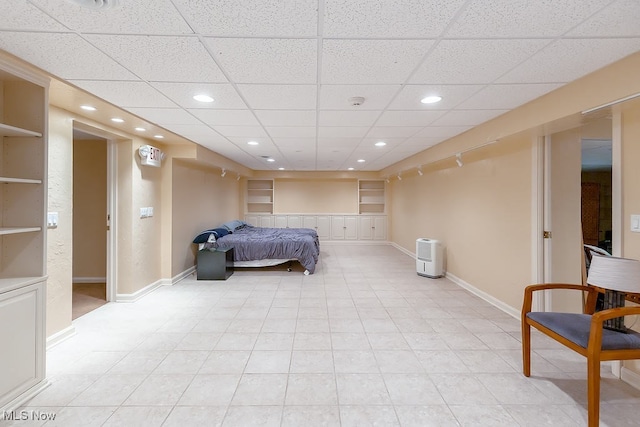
361	160
380	144
280	169
203	98
88	108
139	129
431	99
158	136
117	120
253	143
270	160
350	169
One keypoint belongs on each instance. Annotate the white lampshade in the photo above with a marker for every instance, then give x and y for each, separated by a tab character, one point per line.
618	274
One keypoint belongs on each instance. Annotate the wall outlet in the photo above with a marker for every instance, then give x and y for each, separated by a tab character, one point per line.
635	223
52	219
150	211
144	212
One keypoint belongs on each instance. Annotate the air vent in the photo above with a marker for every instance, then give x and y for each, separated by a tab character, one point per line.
96	4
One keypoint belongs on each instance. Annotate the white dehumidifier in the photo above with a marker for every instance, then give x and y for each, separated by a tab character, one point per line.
429	258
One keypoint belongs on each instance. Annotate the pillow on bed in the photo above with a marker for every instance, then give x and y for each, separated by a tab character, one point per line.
204	236
233	225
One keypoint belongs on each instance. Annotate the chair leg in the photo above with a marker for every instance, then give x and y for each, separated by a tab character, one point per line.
593	391
526	348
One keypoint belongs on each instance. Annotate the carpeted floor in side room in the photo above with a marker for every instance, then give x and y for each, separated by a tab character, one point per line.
87	297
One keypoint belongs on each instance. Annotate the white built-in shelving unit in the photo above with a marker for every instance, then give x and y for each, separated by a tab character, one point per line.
260	196
371	196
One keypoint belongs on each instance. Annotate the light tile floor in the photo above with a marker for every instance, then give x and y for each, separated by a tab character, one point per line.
364	341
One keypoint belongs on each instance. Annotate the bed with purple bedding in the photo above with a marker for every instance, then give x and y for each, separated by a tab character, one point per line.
282	244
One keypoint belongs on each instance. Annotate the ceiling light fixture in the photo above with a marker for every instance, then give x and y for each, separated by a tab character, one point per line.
252	143
420	171
270	160
361	160
350	169
380	144
117	120
158	136
280	169
388	180
399	176
459	160
203	98
356	101
96	4
432	99
224	172
238	177
88	108
140	129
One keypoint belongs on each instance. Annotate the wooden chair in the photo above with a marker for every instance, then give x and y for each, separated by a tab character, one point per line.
592	334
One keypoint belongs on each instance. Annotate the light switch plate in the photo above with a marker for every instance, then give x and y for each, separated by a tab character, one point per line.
150	211
635	223
144	212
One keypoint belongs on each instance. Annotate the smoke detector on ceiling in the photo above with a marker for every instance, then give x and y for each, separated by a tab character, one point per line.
96	4
356	101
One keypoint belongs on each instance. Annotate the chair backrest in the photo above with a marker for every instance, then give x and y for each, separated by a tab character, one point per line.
617	274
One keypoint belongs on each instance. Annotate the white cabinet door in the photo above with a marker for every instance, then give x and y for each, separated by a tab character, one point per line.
266	221
337	228
380	228
309	222
351	227
365	229
280	221
294	221
252	220
323	226
372	227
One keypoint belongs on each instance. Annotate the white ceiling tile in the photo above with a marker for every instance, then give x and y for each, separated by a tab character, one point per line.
408	118
452	95
376	97
292	131
370	61
82	61
161	58
421	143
224	95
238	18
392	131
441	131
242	131
263	144
568	59
332	143
618	20
342	132
473	61
126	94
131	17
280	97
522	18
24	16
285	143
166	116
388	18
286	117
199	133
226	117
467	117
347	118
503	97
284	61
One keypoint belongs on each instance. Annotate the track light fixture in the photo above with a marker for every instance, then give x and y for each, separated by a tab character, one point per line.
224	172
399	176
388	180
420	171
459	160
238	177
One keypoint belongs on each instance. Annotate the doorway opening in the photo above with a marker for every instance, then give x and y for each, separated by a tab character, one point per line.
90	236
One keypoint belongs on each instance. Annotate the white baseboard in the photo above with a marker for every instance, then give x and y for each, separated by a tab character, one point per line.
98	280
354	242
60	336
14	404
485	296
630	377
153	286
401	249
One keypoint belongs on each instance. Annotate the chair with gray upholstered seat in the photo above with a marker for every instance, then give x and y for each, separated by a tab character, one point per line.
599	336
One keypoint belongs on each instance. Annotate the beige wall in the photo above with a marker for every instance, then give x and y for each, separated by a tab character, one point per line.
481	212
202	199
89	209
323	196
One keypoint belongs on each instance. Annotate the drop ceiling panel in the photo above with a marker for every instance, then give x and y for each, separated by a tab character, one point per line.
82	60
159	58
226	117
504	97
342	132
474	61
292	131
452	95
293	144
442	131
251	18
266	60
393	131
279	97
286	117
388	19
329	143
242	131
166	116
376	97
521	18
198	132
408	118
126	94
224	95
264	145
618	20
24	16
568	59
370	61
347	118
467	117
